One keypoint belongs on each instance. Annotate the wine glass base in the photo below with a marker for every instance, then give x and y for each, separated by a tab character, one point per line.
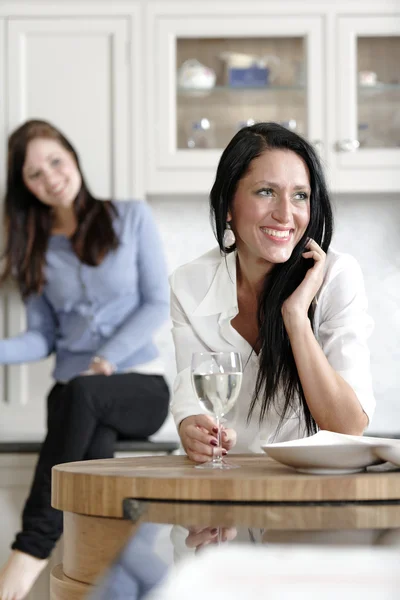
221	465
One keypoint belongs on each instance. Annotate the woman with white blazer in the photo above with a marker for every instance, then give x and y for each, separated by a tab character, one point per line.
274	291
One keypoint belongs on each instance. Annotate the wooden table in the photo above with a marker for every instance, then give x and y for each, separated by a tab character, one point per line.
262	493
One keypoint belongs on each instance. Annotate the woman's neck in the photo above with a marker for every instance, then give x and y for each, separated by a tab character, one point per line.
64	222
251	274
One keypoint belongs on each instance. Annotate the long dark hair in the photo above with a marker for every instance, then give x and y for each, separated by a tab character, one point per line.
28	221
277	370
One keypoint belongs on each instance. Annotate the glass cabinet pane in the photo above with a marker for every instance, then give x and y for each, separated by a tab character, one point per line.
224	84
378	65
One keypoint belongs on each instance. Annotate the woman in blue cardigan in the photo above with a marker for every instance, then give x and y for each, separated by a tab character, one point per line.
94	282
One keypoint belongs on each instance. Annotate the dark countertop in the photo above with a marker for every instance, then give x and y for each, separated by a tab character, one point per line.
33	447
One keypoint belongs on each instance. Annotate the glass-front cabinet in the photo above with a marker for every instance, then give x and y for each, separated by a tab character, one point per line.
368	87
331	74
225	84
218	74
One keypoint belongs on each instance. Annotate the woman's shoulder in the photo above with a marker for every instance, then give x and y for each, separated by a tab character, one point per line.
343	282
130	217
198	272
130	208
340	263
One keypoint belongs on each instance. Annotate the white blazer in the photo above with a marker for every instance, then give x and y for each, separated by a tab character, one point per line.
203	302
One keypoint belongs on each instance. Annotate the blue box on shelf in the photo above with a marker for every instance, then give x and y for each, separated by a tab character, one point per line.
248	77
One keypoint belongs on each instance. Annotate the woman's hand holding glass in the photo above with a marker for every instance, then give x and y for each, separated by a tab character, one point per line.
216	378
199	438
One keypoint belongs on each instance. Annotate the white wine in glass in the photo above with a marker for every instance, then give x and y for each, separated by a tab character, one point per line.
217	377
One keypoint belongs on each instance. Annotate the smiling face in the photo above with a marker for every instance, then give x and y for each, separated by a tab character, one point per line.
50	172
271	207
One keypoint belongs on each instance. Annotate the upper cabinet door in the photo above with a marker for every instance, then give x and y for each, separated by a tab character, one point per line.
368	88
211	73
74	72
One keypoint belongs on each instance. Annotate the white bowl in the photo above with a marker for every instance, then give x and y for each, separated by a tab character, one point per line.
326	453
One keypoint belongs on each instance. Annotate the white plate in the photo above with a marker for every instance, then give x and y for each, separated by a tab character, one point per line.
389	453
327	453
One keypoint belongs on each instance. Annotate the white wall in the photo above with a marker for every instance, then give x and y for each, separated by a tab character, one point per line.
186	232
368	228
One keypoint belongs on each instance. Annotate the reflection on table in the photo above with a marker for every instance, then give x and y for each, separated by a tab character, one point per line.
343	550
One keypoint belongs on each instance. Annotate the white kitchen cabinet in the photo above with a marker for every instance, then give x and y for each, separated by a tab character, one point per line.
316	90
368	99
114	81
74	72
179	161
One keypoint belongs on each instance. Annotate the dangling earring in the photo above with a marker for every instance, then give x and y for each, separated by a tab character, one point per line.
229	237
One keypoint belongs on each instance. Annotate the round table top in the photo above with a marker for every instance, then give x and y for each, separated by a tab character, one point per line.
99	487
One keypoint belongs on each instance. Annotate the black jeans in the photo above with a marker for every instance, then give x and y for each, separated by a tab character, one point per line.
84	419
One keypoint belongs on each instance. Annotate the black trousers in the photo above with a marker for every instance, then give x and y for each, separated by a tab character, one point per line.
84	419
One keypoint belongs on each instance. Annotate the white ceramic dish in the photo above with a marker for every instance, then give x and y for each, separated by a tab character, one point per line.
389	453
327	453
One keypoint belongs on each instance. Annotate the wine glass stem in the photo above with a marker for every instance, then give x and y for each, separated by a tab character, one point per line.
218	458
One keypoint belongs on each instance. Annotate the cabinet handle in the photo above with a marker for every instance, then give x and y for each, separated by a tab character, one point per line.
348	145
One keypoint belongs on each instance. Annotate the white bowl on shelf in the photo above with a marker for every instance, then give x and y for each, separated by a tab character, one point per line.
327	453
194	76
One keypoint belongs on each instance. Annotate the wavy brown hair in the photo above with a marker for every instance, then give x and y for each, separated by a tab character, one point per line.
28	222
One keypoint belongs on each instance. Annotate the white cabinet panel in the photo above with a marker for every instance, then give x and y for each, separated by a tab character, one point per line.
75	73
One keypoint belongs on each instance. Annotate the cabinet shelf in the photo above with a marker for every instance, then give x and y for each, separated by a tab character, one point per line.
379	88
220	89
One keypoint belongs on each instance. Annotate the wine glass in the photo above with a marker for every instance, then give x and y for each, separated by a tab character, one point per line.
216	378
